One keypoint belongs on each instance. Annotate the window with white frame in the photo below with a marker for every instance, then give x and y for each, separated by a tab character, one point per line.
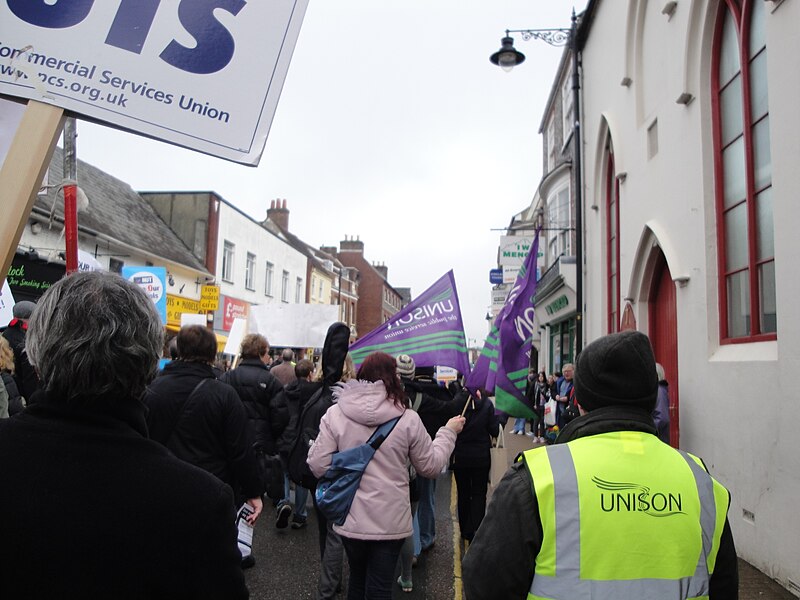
298	291
285	286
228	255
745	230
268	275
559	223
551	143
567	108
321	299
250	272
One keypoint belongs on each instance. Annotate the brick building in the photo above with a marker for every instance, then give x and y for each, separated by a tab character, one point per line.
377	299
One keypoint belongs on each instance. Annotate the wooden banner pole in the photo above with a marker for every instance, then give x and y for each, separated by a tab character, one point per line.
22	172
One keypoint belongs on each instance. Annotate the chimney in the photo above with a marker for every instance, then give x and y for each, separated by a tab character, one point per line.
278	213
351	245
383	270
329	250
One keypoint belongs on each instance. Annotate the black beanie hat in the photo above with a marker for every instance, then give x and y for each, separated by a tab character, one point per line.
617	370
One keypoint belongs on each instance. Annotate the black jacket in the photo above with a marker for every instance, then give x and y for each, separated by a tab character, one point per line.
436	404
91	508
509	553
24	374
209	430
474	441
296	395
15	403
334	351
260	392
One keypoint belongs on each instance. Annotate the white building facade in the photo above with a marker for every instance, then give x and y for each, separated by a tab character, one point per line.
691	154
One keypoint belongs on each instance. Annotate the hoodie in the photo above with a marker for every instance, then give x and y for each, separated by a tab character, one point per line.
380	509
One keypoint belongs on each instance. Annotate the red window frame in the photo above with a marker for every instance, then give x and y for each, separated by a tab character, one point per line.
741	11
612	244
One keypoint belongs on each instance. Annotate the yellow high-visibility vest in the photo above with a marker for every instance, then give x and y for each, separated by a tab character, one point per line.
624	516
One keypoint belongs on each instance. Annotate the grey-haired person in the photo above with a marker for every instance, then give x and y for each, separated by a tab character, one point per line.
89	505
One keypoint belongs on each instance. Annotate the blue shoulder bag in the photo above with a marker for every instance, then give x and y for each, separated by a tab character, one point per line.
337	487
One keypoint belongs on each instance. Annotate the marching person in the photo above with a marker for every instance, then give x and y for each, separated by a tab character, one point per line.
15	333
202	421
90	507
380	515
608	510
265	406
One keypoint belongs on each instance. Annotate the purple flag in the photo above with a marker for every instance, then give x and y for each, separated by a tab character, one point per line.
502	367
429	329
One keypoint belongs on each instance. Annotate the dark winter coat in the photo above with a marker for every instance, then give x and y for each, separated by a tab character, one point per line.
260	393
509	553
334	352
474	442
437	406
296	395
91	508
15	401
209	430
24	375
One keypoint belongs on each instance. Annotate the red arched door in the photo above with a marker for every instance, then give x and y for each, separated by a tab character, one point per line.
664	336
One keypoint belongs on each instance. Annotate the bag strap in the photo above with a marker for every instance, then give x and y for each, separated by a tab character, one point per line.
183	406
381	433
417	402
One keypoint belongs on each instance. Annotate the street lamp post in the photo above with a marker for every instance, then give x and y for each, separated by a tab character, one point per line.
507	58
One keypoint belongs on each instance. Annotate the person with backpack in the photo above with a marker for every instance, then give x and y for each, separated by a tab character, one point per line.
260	393
334	356
380	515
296	394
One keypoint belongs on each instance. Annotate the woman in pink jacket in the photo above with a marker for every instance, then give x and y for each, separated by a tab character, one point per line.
380	516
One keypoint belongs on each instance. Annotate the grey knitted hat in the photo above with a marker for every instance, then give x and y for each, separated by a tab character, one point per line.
405	366
617	370
23	309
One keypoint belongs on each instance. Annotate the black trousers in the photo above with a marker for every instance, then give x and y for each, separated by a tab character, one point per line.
471	485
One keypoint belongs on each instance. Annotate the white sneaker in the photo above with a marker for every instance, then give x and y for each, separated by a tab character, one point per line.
531	435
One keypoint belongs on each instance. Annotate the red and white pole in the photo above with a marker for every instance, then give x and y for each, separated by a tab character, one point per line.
70	188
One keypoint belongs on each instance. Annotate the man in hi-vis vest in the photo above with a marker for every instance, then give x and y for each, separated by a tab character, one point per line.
609	511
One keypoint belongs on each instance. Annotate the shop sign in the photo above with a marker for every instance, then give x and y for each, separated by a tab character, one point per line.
233	309
177	305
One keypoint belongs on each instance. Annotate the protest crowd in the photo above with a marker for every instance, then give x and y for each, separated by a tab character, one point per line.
602	507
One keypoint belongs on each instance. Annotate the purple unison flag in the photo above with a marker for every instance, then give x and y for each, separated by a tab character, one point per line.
503	364
429	329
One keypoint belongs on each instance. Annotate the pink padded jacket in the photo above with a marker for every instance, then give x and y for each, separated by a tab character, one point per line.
381	508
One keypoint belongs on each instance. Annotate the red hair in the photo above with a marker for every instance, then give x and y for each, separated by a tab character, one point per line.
379	366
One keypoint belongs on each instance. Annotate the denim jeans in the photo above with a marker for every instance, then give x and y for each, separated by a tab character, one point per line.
519	425
425	519
372	566
300	500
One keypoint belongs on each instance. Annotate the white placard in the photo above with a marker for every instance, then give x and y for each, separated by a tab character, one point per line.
293	325
6	305
204	74
193	319
235	336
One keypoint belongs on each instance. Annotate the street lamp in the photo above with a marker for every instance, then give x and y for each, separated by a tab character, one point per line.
507	58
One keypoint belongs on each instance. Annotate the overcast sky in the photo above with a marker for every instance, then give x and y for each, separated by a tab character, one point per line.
394	127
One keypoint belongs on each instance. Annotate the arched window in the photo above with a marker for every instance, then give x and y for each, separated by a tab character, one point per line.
612	241
743	174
